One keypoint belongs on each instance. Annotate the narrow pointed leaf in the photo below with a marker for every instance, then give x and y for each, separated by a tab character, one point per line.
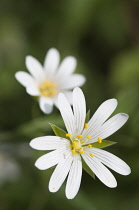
105	143
58	131
87	116
87	169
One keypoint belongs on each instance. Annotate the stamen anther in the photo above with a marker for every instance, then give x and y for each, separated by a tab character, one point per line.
88	137
68	135
89	146
79	136
99	140
91	155
86	125
81	151
73	151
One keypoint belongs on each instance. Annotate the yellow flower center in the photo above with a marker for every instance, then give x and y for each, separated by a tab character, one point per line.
47	89
76	145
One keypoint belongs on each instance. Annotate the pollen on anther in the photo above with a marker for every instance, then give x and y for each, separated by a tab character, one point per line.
81	152
99	140
91	155
73	151
79	136
88	137
86	125
89	146
68	135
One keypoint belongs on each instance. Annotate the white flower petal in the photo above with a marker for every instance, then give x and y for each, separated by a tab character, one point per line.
111	161
48	143
32	90
100	170
74	177
50	159
72	81
46	104
24	78
35	68
56	102
67	66
68	95
66	113
60	173
51	61
111	126
79	108
100	116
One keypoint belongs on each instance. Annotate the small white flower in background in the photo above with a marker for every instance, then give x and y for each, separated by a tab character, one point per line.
67	153
49	80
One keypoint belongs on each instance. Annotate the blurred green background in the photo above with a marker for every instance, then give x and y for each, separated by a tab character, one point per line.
104	37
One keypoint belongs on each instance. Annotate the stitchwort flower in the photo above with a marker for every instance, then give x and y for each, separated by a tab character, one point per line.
81	144
47	81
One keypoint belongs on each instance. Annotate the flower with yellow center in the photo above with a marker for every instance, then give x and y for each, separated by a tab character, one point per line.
49	80
77	145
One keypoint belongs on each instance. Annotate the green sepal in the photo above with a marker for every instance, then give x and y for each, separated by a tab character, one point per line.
87	116
58	131
87	169
105	143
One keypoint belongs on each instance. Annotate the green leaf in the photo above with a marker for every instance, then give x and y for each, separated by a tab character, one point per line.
58	131
87	169
104	144
87	116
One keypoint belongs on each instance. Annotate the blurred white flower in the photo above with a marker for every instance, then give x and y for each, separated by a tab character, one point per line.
9	169
48	80
68	152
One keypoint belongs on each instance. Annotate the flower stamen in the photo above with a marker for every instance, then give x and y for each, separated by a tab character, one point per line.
79	136
81	151
73	151
99	140
89	146
68	135
86	125
88	137
91	155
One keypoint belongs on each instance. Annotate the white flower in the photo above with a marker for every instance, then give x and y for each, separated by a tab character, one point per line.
46	82
67	153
